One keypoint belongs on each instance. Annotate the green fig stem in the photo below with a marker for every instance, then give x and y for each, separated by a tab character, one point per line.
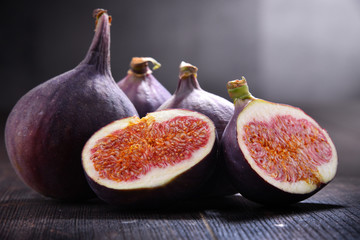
187	70
188	78
239	90
140	65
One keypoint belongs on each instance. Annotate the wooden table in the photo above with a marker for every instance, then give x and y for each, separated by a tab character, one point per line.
333	213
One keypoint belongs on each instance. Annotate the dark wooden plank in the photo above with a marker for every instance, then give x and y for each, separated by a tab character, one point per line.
333	213
26	215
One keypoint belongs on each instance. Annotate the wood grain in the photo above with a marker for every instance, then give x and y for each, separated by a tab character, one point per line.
333	213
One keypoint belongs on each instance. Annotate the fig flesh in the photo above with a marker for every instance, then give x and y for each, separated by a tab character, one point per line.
142	88
48	127
159	159
275	153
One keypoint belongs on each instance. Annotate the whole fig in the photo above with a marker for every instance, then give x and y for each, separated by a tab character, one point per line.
189	95
48	127
142	88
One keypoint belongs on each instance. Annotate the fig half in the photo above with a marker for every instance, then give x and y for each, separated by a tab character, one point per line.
161	158
275	153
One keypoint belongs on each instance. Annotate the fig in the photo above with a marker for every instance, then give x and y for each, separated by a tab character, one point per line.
189	95
48	127
142	88
275	153
153	161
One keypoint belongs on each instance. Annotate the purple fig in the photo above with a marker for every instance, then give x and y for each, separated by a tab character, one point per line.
159	159
275	153
48	127
189	95
142	88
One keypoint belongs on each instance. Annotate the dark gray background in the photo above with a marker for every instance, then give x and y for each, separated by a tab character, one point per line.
302	52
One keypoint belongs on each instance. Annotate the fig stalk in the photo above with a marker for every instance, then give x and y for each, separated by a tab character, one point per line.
238	89
188	70
142	88
99	51
140	65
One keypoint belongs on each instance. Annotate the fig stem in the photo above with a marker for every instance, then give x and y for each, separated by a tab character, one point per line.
188	78
238	89
186	70
140	65
97	14
98	54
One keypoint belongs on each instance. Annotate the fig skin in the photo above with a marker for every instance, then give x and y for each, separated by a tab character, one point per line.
184	186
142	88
48	127
249	183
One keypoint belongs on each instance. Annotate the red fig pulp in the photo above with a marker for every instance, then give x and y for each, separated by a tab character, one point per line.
142	88
159	159
48	127
275	153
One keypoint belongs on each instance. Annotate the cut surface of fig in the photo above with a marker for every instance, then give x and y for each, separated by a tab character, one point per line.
275	153
286	147
148	153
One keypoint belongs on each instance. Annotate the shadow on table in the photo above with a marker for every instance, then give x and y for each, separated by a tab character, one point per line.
232	208
237	208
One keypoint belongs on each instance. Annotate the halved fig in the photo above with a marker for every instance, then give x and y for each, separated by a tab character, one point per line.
275	153
163	157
